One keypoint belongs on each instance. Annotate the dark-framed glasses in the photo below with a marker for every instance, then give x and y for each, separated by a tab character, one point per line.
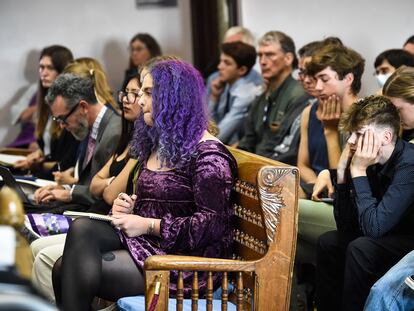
62	119
130	96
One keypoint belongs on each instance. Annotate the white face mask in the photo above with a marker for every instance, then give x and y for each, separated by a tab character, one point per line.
381	79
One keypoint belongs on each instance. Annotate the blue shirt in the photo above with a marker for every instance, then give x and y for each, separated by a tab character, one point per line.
231	109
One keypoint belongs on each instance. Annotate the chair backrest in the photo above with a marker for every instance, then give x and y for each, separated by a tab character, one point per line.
265	205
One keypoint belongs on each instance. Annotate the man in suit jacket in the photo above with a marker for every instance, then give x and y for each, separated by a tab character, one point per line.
74	107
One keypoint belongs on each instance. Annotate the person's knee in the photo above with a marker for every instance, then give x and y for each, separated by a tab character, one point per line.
36	246
44	261
44	242
326	242
359	252
81	227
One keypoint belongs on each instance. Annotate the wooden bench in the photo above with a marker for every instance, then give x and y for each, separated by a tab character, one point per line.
266	220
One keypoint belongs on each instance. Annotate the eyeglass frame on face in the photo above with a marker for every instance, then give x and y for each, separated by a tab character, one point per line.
137	49
61	120
122	94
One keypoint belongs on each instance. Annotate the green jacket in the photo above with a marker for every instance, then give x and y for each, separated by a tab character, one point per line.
266	114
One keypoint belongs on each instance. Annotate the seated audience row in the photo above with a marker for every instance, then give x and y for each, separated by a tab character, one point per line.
296	122
107	184
172	129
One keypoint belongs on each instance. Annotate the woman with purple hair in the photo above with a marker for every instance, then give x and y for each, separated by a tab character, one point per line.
181	204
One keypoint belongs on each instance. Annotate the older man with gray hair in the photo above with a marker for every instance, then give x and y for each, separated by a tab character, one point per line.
283	94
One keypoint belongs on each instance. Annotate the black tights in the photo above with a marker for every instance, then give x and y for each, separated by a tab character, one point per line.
94	263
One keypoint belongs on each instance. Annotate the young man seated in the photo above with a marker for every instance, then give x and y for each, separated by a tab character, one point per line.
233	92
373	206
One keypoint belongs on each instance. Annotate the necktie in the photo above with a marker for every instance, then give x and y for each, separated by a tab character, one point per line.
227	107
89	151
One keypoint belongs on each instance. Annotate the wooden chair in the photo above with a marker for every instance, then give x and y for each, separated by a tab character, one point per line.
12	214
266	210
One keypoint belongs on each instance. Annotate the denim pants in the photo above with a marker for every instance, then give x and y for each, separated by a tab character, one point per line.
390	292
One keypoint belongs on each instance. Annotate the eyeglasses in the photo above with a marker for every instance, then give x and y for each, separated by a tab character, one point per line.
136	49
131	96
62	119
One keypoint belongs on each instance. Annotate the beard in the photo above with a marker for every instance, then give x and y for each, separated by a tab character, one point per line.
82	130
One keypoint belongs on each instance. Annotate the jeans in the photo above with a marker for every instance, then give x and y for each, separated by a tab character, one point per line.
390	292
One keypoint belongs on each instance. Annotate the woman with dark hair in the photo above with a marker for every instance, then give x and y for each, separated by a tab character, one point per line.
52	61
128	100
50	137
142	47
181	205
106	184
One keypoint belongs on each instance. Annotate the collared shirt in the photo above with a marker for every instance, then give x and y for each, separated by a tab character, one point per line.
232	107
383	201
266	115
94	134
95	127
252	77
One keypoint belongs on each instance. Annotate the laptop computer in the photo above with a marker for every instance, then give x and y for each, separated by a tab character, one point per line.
24	190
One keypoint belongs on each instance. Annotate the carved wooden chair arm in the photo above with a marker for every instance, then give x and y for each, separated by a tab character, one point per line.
192	263
157	269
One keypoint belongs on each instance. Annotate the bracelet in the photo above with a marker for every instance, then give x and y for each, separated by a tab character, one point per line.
151	227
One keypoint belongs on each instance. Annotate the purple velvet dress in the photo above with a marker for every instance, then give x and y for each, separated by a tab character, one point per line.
194	206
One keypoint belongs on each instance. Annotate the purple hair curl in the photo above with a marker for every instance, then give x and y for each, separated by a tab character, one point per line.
179	112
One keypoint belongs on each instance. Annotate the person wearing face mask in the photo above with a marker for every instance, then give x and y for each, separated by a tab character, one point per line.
389	61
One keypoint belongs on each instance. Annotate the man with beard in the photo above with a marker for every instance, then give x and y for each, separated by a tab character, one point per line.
74	106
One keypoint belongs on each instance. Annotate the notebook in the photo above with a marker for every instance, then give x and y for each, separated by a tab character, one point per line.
95	216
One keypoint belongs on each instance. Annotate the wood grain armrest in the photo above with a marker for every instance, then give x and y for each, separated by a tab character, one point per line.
175	262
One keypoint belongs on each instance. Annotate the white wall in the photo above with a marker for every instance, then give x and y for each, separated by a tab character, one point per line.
368	26
102	29
95	28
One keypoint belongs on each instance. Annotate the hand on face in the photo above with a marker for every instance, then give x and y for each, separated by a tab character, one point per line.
343	164
217	88
330	109
367	153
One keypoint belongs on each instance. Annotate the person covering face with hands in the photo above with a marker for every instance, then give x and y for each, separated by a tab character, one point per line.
373	206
